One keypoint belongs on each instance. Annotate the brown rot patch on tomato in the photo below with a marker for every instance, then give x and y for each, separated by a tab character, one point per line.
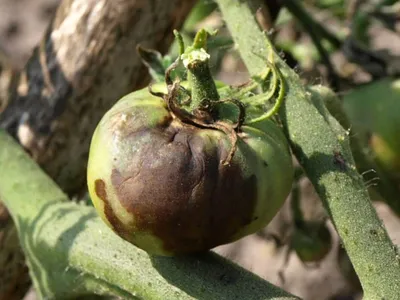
183	194
117	226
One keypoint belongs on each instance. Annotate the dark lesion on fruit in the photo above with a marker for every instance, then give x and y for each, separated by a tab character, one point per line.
117	226
191	202
203	117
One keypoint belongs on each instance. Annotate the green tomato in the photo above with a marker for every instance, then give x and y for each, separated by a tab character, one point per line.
160	183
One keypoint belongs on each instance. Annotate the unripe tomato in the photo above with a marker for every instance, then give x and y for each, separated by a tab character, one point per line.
161	184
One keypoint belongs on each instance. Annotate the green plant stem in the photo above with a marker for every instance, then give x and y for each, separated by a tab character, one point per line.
201	83
196	61
71	252
321	146
387	186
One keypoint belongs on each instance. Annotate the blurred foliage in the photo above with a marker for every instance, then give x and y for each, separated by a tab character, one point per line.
374	111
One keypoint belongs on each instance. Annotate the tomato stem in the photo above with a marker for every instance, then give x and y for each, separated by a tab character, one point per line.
196	61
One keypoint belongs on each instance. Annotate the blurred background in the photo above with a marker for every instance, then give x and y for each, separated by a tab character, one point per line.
353	47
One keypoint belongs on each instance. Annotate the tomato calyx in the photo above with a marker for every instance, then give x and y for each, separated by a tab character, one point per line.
203	117
203	114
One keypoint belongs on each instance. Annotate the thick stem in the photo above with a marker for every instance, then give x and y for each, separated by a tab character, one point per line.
387	186
322	148
71	252
196	61
201	83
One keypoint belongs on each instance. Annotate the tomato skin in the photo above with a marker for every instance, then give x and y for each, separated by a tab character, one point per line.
161	184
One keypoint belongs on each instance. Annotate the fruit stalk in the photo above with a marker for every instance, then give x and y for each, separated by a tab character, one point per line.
196	62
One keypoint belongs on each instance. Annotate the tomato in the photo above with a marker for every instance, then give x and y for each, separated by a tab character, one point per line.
166	186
